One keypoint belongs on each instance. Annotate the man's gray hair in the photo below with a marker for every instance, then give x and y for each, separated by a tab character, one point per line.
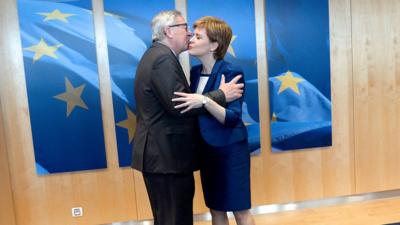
161	21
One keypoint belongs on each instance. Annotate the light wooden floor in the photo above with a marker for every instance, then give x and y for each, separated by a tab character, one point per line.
374	212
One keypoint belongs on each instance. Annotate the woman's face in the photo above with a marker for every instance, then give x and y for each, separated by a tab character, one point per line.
200	45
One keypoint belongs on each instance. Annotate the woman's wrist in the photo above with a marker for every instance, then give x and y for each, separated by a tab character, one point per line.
205	101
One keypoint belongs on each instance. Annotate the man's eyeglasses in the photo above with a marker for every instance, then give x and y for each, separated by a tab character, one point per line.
185	25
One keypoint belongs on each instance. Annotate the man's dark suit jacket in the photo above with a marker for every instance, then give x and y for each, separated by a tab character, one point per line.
166	141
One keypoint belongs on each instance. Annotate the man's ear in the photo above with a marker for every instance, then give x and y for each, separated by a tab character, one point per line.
168	32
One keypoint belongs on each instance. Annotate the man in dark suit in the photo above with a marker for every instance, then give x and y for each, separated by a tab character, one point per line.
166	141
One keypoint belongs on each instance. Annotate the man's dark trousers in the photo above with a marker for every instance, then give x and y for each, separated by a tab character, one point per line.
170	195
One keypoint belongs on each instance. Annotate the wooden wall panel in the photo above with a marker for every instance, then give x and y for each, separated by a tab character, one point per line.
7	214
106	195
376	56
338	168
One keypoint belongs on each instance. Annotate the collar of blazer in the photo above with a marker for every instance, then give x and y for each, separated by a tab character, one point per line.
163	46
216	70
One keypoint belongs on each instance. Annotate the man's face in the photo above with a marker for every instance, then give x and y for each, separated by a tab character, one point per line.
181	34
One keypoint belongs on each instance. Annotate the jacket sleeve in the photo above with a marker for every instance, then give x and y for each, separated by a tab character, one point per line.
218	96
233	112
166	79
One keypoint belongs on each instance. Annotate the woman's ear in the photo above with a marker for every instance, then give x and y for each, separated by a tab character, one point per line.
214	46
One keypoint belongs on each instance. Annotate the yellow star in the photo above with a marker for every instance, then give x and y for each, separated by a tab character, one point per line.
129	123
42	48
72	96
230	48
289	81
274	117
56	15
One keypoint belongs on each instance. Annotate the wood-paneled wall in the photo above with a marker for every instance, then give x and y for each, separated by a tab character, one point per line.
364	38
7	214
376	57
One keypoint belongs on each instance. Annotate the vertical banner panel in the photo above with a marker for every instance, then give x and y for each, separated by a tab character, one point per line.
62	85
240	16
128	28
299	73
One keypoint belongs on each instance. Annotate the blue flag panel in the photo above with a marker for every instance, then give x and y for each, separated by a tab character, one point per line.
62	85
239	14
128	27
299	71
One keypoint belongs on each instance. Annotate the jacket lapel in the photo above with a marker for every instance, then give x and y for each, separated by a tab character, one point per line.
182	74
214	73
194	79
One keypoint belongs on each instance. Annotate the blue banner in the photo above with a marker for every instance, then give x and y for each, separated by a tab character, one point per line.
299	71
62	85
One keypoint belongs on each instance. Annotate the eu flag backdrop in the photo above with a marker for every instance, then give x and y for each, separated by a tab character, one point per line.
62	85
301	114
128	27
299	71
